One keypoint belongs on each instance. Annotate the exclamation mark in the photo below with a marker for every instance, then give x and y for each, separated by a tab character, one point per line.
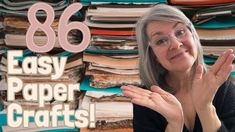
92	115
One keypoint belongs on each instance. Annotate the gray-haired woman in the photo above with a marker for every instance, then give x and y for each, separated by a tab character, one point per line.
180	94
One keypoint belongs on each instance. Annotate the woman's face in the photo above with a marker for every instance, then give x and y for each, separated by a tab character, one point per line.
173	45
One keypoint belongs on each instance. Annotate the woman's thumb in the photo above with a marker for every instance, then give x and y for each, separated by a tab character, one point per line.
199	71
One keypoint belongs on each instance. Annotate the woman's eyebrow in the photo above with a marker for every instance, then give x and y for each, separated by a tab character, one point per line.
176	24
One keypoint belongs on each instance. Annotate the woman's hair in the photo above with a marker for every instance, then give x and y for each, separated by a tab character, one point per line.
151	71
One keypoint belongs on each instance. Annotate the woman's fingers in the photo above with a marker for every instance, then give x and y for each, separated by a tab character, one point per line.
143	97
199	71
138	96
164	94
220	61
140	89
159	90
225	69
167	97
136	92
157	99
132	94
135	89
147	102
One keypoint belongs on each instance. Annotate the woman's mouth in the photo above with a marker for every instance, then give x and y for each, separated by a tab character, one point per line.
178	55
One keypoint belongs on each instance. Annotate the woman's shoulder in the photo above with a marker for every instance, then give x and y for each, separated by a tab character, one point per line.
146	119
225	97
226	88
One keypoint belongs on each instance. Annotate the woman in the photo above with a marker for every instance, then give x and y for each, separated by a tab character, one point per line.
180	94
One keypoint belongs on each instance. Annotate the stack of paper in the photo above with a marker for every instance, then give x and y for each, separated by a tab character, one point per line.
1	32
14	23
20	7
3	73
112	55
17	27
112	60
113	111
108	72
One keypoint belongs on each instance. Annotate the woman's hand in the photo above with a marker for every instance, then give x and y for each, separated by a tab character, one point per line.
205	86
158	100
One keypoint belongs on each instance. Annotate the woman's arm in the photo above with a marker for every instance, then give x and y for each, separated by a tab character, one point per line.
205	87
224	103
174	127
209	119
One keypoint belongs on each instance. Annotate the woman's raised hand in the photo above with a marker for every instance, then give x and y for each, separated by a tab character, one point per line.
205	86
158	100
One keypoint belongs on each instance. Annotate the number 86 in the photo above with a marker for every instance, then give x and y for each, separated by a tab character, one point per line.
63	29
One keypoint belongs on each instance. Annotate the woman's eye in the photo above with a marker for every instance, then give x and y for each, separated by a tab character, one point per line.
180	33
161	41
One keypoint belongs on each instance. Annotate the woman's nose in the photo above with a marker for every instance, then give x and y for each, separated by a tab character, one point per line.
175	43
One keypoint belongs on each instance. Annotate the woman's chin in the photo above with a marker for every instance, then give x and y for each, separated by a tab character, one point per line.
181	67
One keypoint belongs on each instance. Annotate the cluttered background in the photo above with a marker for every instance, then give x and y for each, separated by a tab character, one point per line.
111	60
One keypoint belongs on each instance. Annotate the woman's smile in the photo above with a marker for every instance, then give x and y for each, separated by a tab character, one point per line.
179	55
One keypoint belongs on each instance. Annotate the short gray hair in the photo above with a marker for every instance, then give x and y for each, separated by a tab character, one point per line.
151	71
